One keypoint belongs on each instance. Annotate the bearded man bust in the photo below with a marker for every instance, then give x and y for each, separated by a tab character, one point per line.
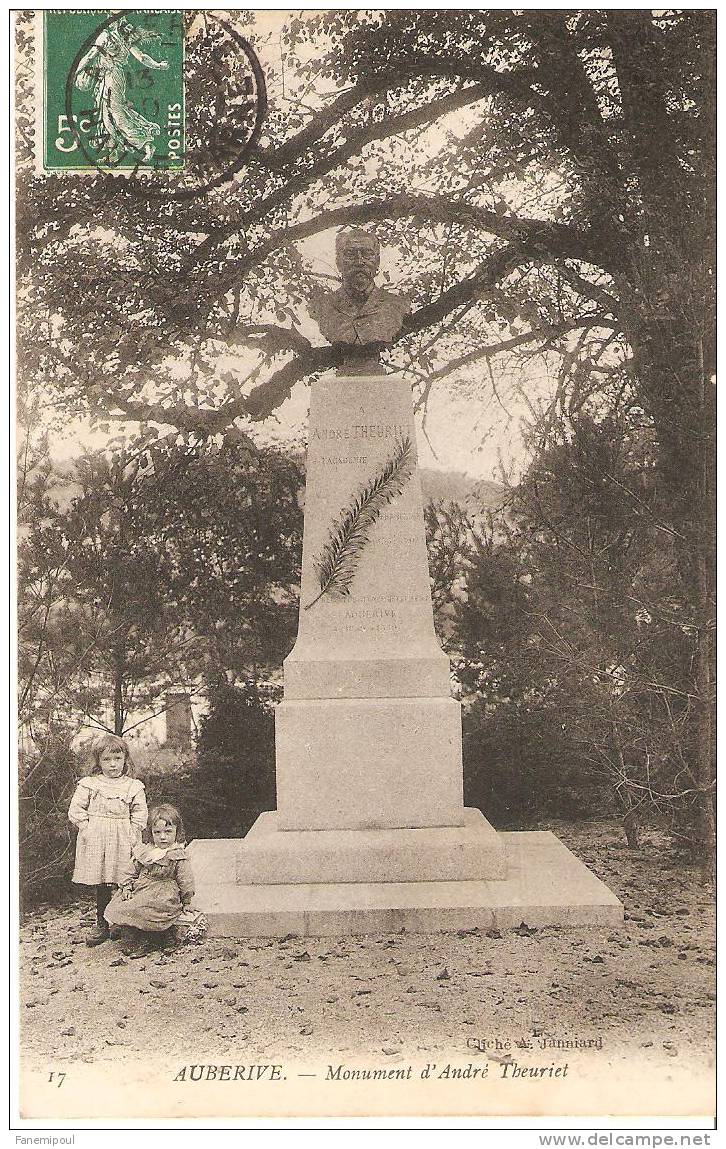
359	319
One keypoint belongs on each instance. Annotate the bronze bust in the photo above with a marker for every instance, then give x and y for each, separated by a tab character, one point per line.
359	319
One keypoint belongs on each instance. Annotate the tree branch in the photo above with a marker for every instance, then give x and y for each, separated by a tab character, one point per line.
301	178
492	349
549	240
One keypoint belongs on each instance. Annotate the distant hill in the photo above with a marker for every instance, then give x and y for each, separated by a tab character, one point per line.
456	486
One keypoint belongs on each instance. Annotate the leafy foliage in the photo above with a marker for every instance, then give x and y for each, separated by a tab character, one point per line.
577	652
139	581
234	777
232	529
46	784
96	622
557	167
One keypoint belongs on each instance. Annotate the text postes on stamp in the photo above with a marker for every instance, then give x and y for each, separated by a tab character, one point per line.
174	99
113	90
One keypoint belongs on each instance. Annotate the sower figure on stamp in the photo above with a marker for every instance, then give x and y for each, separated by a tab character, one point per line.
359	318
119	127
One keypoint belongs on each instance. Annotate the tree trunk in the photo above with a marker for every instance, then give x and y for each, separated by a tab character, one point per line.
118	694
705	768
631	828
670	359
630	822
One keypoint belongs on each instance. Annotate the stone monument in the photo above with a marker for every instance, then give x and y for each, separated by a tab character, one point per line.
370	832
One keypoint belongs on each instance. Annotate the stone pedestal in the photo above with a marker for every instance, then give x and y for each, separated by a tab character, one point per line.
426	854
546	885
368	735
370	830
366	763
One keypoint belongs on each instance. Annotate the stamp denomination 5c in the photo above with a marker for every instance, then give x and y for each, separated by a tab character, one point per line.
172	100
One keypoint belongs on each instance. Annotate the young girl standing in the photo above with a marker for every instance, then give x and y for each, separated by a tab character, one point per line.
109	809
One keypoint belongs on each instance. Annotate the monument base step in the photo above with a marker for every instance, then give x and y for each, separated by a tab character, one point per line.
269	855
546	885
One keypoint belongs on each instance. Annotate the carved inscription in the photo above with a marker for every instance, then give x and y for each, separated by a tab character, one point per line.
360	431
339	461
397	598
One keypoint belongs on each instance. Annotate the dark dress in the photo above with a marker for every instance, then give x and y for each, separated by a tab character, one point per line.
161	883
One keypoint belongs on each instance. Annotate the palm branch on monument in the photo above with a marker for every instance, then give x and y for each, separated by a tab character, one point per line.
337	563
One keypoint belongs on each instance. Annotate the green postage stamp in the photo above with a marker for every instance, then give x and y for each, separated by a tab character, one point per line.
113	90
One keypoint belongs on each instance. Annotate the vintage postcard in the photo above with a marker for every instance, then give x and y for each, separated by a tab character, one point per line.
365	564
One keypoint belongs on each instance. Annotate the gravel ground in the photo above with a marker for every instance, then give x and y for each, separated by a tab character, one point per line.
645	991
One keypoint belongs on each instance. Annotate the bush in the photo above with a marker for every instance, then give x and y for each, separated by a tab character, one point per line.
234	777
47	839
519	767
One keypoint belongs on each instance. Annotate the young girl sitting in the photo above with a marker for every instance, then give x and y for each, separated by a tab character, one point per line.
158	884
109	809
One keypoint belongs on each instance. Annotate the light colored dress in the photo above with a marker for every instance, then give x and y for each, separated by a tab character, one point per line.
110	814
162	884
